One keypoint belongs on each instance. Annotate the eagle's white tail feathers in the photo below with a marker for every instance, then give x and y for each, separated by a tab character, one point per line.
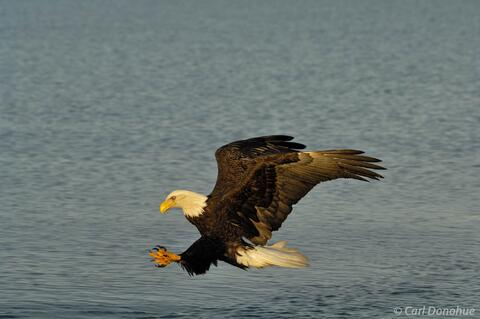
276	255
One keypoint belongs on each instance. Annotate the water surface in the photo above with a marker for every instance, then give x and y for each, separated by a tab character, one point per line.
108	106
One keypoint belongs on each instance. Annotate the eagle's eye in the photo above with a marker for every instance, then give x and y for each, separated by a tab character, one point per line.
173	197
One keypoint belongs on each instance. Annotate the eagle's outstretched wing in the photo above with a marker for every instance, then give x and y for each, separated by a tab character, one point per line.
235	159
260	179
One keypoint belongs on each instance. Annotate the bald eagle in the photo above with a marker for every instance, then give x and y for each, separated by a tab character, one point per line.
258	182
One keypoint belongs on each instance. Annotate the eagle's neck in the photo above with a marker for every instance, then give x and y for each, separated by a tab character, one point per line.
193	205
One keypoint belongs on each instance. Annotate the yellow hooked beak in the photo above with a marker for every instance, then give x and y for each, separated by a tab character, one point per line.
166	205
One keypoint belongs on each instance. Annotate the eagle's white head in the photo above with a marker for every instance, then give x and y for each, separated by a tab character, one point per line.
191	203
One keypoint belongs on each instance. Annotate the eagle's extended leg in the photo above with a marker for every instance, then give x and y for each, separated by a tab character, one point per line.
162	257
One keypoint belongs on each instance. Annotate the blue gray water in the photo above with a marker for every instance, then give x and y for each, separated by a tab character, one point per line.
107	106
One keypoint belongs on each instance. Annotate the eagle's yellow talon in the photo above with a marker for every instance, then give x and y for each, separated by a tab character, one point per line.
163	258
152	254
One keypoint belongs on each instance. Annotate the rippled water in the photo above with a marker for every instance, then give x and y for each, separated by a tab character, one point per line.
106	106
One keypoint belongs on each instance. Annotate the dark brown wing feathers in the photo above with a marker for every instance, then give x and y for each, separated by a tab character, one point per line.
262	178
235	160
